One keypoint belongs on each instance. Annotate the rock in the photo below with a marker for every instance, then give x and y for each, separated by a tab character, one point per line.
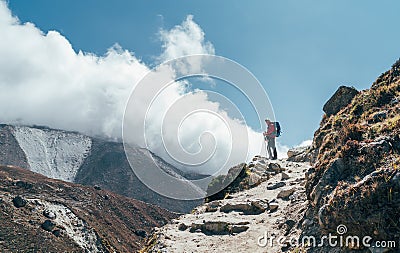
382	144
284	194
299	154
276	186
49	214
339	100
19	202
97	187
275	167
260	168
22	184
273	206
237	229
182	227
296	151
284	176
141	233
290	223
254	207
254	179
218	228
57	232
48	225
395	100
307	223
323	217
331	177
211	228
212	206
378	117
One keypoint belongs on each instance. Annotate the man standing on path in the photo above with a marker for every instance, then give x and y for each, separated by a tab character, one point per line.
269	137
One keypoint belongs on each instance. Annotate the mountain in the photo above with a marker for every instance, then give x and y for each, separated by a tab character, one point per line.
355	179
340	195
74	157
39	214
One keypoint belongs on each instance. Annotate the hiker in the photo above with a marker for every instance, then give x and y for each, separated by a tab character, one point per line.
269	137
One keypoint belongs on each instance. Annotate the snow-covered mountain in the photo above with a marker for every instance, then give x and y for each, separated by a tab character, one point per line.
73	157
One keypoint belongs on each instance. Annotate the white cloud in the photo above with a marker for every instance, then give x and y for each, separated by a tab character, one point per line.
305	143
44	81
184	39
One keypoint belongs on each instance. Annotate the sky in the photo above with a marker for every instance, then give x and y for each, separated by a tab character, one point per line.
300	51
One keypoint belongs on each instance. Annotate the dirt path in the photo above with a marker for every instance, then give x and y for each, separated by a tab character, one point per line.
238	224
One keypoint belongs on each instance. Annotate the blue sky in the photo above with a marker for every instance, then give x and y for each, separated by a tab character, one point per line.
301	51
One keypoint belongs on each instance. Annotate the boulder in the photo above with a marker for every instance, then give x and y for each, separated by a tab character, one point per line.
339	100
254	179
284	194
211	228
378	117
276	186
141	233
299	154
57	232
284	176
19	202
254	207
237	229
275	167
212	206
48	225
218	228
25	185
273	206
182	227
49	214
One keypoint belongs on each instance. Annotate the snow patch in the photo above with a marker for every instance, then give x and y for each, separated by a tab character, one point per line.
53	153
75	228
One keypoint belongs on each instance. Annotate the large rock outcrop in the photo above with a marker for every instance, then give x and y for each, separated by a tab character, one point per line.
340	99
354	180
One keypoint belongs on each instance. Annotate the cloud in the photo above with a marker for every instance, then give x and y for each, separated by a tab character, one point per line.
43	81
185	39
305	143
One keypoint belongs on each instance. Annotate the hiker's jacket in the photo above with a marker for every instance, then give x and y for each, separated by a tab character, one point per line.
270	130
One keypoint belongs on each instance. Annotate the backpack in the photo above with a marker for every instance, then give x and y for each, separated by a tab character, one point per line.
277	131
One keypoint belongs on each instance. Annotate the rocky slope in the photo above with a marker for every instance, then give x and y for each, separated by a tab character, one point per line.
271	200
10	151
39	214
74	157
355	179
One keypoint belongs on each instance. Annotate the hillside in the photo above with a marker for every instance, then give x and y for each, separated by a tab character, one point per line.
39	214
355	179
74	157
